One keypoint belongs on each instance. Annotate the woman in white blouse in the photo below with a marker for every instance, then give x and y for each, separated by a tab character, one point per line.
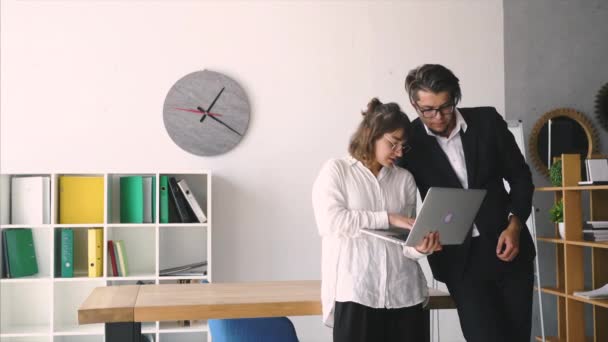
372	290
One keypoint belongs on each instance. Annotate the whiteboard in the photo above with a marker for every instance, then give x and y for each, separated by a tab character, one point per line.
516	127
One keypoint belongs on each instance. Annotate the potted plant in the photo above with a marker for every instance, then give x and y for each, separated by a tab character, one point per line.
555	173
557	216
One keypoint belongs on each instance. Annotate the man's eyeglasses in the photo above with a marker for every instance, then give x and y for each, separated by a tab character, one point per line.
405	148
429	113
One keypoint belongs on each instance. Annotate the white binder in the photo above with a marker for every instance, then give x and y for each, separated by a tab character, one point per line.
147	180
196	209
30	200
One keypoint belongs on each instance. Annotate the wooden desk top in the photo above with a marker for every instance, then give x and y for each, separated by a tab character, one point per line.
109	304
171	302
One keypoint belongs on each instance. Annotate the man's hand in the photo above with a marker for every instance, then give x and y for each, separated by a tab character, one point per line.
508	242
401	221
429	244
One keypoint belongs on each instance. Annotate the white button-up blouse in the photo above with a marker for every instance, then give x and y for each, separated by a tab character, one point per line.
356	267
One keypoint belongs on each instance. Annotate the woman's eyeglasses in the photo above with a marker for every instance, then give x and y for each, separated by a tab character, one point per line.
405	148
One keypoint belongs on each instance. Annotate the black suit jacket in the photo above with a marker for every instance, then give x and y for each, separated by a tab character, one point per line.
491	154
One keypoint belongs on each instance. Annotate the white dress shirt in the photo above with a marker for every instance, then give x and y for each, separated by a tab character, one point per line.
452	146
357	267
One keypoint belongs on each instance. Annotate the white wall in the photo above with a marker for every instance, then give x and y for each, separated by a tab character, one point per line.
83	85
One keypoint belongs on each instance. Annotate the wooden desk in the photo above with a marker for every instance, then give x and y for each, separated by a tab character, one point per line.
123	308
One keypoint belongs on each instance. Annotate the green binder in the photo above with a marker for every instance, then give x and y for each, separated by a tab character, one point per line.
67	253
164	199
5	271
64	252
131	199
21	252
153	199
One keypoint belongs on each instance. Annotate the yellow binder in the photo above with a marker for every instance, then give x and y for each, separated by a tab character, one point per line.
80	199
95	252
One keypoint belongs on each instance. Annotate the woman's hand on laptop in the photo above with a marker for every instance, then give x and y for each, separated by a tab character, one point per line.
429	244
401	221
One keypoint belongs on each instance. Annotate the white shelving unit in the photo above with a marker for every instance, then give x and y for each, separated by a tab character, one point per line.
43	308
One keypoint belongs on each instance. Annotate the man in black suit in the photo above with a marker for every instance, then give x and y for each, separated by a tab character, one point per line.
490	276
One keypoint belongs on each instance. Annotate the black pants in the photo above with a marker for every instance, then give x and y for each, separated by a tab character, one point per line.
493	305
354	322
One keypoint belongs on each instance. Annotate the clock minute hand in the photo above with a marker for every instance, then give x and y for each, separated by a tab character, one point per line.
230	128
212	104
215	99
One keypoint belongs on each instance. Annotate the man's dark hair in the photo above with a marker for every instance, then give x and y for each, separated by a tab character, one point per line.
379	119
434	78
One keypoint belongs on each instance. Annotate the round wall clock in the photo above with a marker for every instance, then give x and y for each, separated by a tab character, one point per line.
206	113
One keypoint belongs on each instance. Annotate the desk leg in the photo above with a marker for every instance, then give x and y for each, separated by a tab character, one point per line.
427	326
123	332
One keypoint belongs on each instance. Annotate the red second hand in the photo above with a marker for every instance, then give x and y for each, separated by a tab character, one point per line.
197	111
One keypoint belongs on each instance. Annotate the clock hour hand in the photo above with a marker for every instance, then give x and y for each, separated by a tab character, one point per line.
204	113
212	103
230	128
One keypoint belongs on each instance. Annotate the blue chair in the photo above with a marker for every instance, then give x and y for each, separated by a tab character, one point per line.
267	329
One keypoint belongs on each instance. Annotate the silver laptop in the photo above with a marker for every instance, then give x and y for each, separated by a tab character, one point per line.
450	211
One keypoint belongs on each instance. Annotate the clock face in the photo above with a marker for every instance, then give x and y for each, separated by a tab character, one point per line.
206	113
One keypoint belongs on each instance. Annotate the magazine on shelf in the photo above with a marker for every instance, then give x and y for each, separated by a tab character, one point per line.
595	238
181	269
598	225
596	232
186	274
601	293
597	172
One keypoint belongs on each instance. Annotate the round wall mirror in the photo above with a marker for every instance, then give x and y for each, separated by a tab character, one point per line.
560	131
601	106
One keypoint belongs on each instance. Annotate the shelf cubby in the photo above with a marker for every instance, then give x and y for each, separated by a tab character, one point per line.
43	247
199	185
17	308
67	297
113	196
79	338
179	336
192	242
25	339
140	248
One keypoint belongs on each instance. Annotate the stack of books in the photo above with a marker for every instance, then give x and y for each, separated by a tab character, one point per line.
117	253
595	231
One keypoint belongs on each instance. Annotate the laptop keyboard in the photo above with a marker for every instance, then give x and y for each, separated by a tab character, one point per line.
402	237
399	233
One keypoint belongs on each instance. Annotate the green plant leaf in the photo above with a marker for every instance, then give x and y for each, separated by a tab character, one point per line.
555	173
556	212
